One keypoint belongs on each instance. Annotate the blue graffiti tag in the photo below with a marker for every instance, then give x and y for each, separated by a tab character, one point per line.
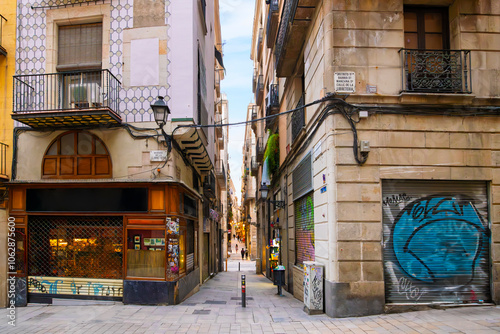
438	237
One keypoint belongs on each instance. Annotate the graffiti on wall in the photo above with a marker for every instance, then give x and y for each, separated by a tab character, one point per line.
304	216
440	246
75	286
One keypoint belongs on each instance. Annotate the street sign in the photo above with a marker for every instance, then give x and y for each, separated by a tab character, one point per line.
345	82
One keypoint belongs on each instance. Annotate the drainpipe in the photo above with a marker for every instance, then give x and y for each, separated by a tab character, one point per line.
332	273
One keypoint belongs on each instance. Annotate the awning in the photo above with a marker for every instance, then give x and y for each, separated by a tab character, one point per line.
193	148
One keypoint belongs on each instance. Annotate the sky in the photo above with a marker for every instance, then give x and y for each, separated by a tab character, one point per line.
236	18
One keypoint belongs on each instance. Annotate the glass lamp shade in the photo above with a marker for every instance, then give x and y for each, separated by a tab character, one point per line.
160	111
264	190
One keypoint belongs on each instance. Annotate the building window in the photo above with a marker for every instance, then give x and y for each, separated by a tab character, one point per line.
78	155
79	47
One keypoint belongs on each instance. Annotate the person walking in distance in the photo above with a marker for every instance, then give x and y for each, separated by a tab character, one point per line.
236	248
246	254
243	253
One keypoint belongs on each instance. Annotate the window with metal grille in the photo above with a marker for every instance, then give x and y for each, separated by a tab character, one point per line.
304	228
80	47
64	246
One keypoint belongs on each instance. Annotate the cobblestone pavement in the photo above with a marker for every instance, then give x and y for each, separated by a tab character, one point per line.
216	308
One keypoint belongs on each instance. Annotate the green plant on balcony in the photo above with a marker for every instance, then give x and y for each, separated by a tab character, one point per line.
272	155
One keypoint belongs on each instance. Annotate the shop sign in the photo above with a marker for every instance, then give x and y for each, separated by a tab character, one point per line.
158	155
345	82
75	286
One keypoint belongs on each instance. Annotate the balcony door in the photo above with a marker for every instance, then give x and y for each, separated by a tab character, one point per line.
80	63
426	28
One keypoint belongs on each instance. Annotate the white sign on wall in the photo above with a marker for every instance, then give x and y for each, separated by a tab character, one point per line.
158	155
345	82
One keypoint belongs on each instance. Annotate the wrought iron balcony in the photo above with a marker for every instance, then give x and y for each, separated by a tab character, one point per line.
220	173
254	166
272	22
83	98
3	161
209	186
295	19
218	129
255	115
259	43
260	88
298	120
436	71
260	149
3	51
273	101
254	79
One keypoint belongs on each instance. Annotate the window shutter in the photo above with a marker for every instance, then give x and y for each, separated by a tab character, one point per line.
80	47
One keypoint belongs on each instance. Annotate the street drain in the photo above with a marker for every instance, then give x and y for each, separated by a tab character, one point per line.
215	302
201	312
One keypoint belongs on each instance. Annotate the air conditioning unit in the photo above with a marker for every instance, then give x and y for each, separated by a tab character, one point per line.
86	95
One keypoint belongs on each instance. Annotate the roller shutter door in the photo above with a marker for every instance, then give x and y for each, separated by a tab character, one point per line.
304	228
436	242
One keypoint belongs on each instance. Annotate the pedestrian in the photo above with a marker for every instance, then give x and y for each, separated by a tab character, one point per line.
246	254
236	248
243	253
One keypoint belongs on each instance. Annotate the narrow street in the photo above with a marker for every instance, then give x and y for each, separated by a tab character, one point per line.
216	308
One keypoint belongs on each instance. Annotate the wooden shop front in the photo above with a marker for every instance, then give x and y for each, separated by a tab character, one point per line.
128	241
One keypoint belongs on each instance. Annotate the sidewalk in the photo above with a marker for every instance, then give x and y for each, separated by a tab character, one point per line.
216	308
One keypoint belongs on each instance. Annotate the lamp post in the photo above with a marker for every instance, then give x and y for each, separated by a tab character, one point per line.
161	112
264	190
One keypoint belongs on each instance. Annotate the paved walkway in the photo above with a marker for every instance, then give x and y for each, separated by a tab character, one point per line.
216	309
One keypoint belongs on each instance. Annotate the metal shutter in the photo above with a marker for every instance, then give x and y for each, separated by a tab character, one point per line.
436	241
302	178
304	228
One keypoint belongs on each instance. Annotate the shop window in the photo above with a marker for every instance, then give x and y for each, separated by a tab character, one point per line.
85	247
20	242
76	155
146	253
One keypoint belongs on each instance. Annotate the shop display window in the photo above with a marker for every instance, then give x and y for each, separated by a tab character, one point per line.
20	243
146	253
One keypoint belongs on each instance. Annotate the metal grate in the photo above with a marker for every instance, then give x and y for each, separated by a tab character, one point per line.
87	247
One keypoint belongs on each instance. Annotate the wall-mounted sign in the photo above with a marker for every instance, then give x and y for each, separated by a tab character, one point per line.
345	82
158	155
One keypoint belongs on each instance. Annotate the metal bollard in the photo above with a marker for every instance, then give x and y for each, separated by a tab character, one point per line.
243	292
238	266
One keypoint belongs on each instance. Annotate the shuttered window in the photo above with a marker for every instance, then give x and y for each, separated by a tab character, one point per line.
304	228
436	242
80	47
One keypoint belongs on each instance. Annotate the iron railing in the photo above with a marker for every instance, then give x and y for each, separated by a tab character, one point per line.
93	89
2	49
287	16
59	3
272	18
260	83
3	160
254	165
254	113
254	80
436	71
260	148
259	43
220	171
298	119
209	186
274	99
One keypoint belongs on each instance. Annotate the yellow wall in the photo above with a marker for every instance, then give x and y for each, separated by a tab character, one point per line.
7	68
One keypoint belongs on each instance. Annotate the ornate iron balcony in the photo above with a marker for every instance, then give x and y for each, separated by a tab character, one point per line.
273	102
67	98
298	119
260	148
436	71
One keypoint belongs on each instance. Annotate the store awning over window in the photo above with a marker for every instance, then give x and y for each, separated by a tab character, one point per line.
193	148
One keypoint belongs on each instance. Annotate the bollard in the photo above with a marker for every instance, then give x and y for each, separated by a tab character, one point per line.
243	292
238	266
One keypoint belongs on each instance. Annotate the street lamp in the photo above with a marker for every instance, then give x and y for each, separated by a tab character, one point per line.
161	112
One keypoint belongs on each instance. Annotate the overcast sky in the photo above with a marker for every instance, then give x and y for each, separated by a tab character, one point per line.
236	20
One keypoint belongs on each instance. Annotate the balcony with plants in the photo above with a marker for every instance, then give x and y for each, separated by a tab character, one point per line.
67	99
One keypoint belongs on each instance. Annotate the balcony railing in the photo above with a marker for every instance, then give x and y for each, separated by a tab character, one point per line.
436	71
3	51
209	186
254	166
260	149
298	120
273	102
218	123
46	95
3	161
254	79
272	22
220	171
260	88
259	43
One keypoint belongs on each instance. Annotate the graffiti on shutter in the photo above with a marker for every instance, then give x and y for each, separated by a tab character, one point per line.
304	228
436	242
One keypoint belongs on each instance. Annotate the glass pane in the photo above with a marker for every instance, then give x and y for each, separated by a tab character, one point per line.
146	253
411	41
53	149
99	148
433	22
84	143
410	22
20	250
68	144
433	41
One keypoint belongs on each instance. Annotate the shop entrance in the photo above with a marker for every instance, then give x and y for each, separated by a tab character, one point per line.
75	257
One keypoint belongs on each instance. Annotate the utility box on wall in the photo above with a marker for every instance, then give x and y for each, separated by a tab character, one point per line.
313	287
